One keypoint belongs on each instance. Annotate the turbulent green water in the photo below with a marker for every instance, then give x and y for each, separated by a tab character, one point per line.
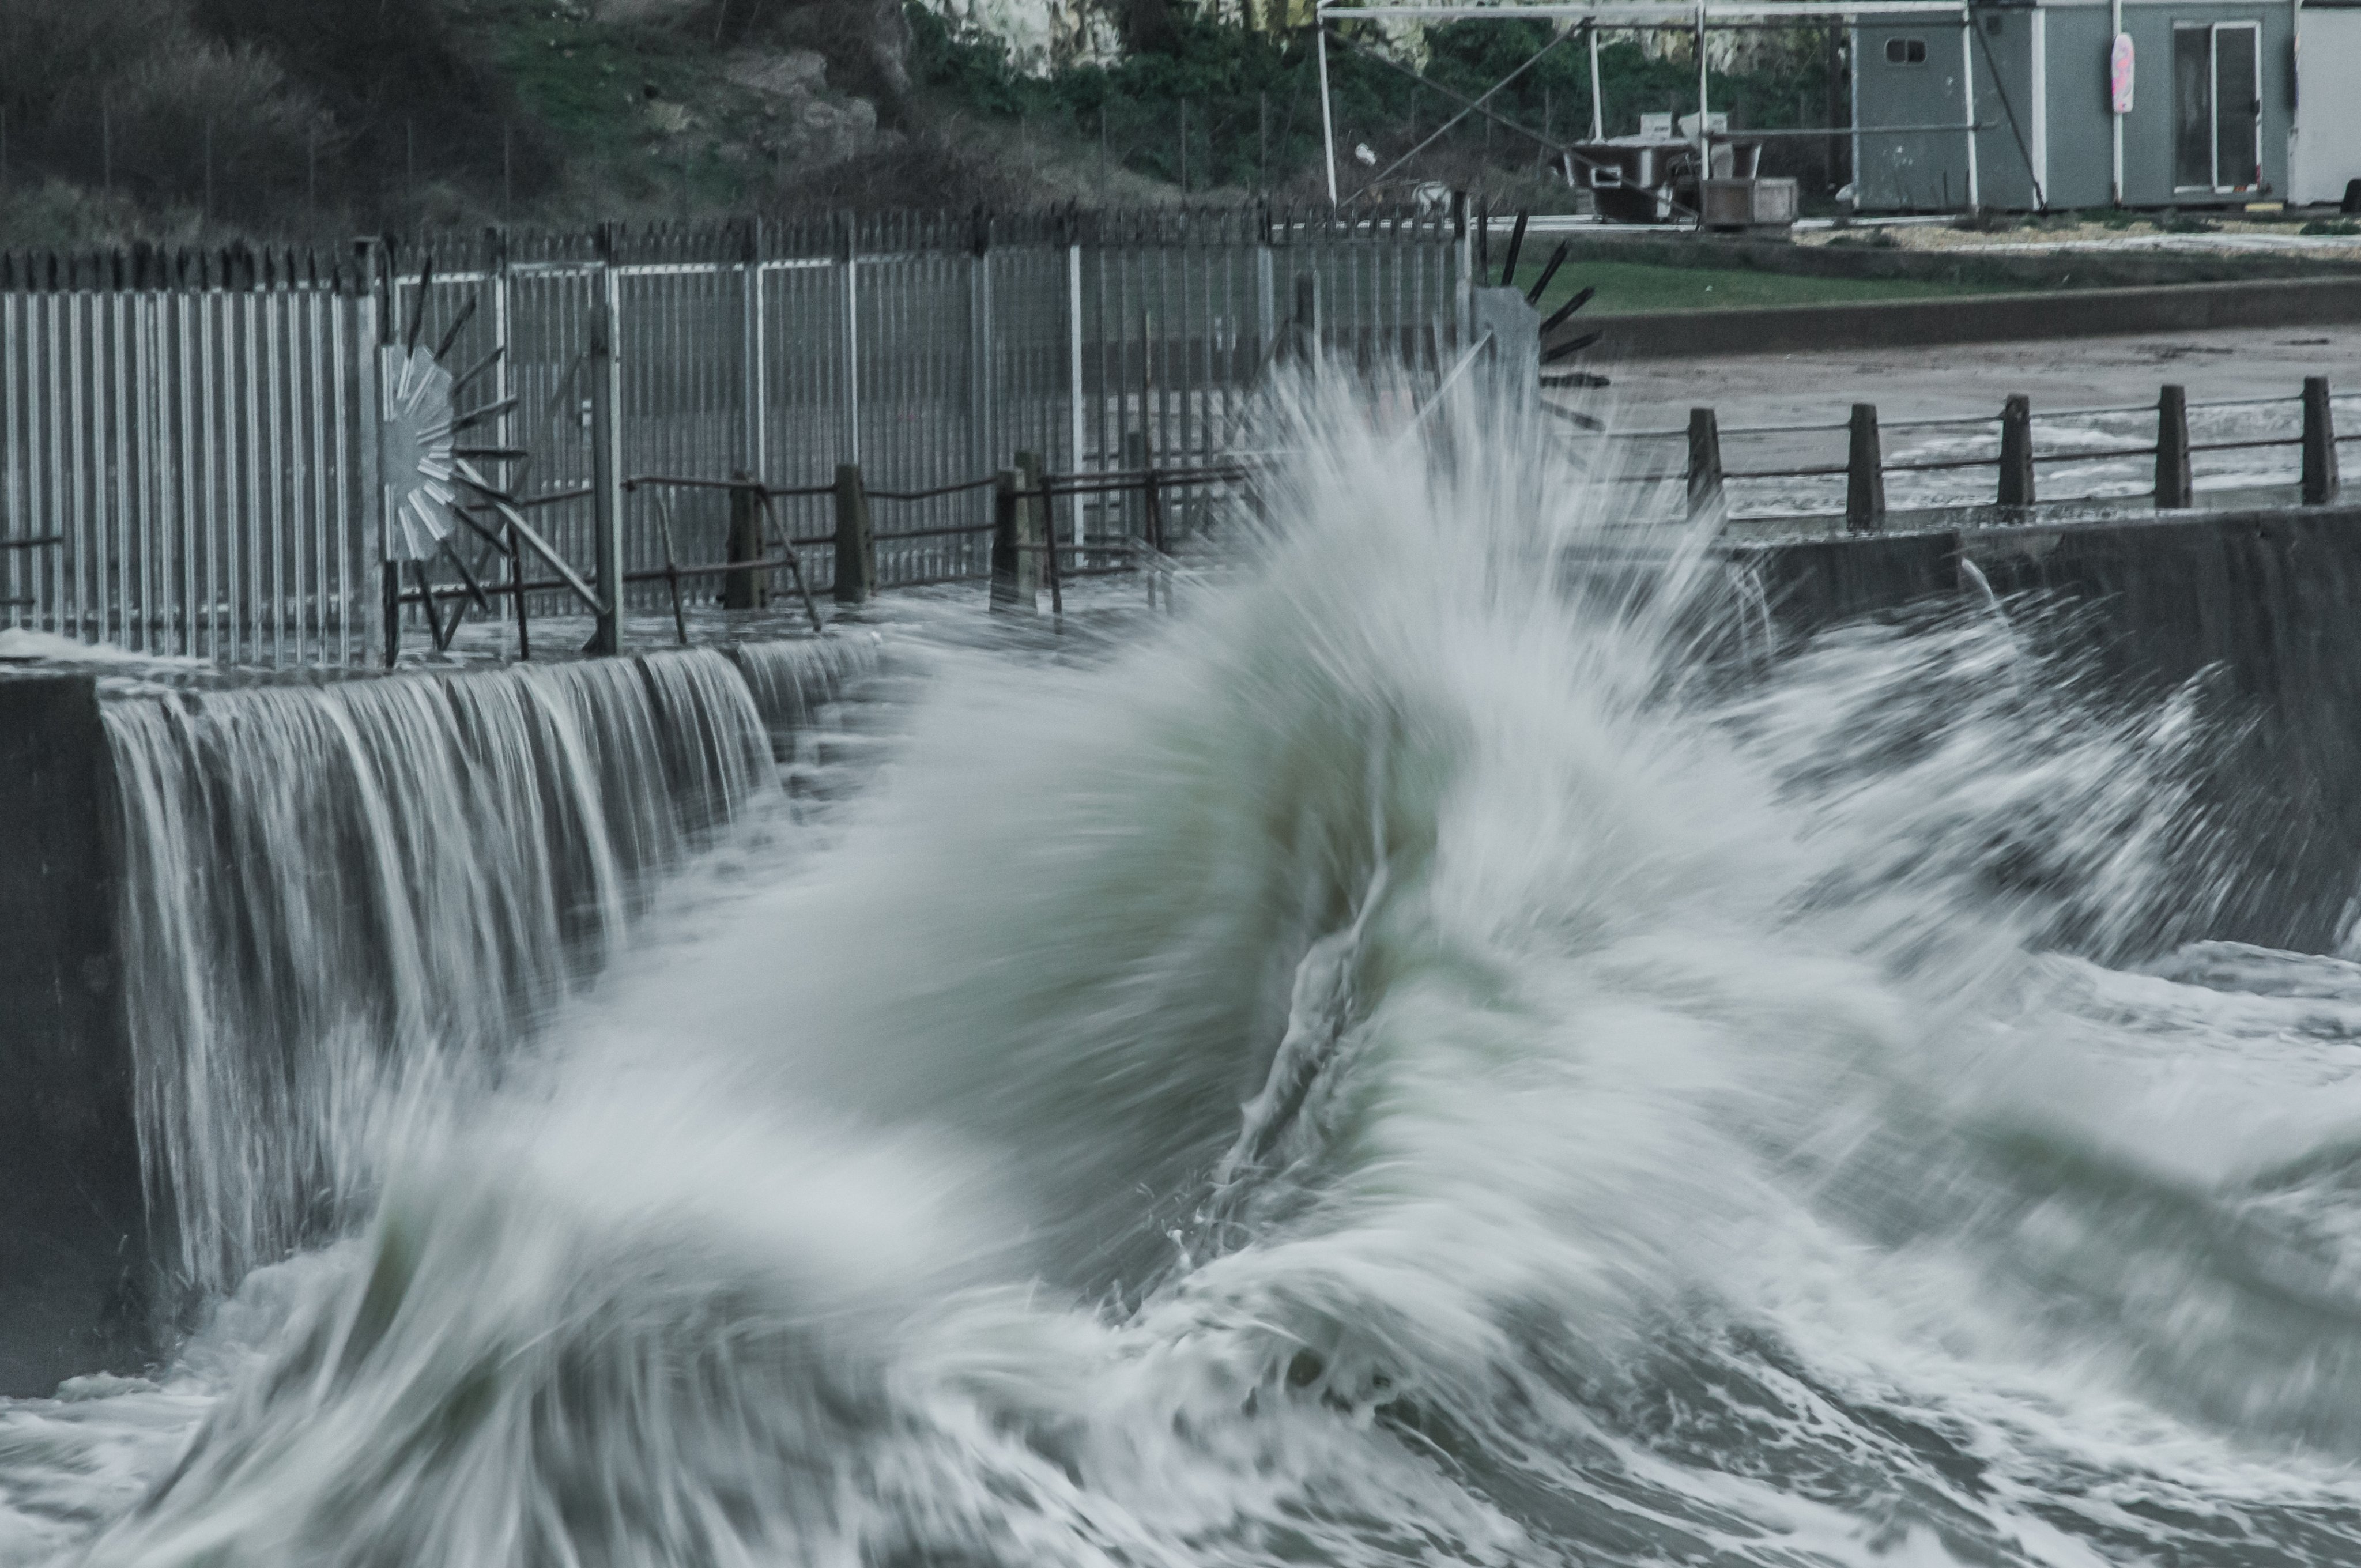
1445	1051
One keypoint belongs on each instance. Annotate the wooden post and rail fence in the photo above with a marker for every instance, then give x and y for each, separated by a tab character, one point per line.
1706	475
1026	561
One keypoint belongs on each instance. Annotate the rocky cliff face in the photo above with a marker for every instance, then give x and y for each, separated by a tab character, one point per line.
1041	34
801	122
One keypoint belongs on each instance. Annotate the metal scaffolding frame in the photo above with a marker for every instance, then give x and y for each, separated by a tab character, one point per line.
1699	17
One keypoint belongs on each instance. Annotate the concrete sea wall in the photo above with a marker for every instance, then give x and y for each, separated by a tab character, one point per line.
2266	604
73	1275
223	910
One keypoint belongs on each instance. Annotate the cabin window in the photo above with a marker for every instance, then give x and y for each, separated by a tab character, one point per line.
2217	105
1906	51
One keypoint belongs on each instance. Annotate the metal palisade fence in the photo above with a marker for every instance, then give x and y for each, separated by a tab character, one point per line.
193	455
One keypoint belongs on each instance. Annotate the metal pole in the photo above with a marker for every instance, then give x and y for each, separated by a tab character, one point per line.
373	335
1701	92
752	392
2114	120
1852	112
1704	136
849	291
1598	105
1968	94
1463	287
606	470
1074	363
504	428
1327	110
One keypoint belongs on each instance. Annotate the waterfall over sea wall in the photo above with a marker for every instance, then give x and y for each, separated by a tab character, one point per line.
336	896
790	680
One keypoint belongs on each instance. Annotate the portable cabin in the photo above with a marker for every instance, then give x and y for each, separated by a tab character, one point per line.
2211	107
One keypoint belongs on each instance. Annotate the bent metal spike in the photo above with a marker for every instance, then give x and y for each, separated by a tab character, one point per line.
426	466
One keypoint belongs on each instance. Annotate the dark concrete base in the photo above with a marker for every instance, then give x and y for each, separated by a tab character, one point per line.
73	1241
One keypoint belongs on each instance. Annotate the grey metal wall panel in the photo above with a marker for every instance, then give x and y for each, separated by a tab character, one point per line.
2080	158
2148	128
2003	62
1910	171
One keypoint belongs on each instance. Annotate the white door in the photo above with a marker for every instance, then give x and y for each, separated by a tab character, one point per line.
2217	106
2325	151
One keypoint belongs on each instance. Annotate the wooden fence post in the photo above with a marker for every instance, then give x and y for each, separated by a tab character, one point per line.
1032	528
2320	482
745	590
390	595
2172	483
856	543
2016	451
1052	571
1704	462
1006	556
1864	472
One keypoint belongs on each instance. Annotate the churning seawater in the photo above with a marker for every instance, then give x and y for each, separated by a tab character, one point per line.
1447	1050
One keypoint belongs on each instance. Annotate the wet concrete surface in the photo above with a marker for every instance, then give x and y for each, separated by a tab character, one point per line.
1972	378
2224	373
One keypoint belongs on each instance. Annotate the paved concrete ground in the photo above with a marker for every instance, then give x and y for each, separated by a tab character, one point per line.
1970	380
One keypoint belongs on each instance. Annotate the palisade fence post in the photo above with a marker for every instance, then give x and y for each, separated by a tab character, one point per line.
1074	361
2320	481
1135	461
1464	286
981	432
375	338
1005	555
2173	490
1266	287
1704	462
605	469
848	268
2016	451
1864	472
753	390
856	544
1307	317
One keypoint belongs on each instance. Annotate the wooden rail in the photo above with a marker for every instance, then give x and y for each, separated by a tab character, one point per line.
2016	462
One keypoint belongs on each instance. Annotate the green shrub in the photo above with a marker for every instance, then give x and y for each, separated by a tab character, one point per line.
218	127
404	88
